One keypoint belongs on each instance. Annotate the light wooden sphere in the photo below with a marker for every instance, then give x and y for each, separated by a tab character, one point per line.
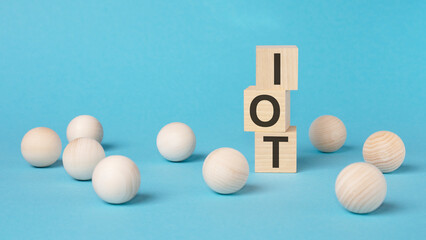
327	133
225	170
85	126
116	179
176	141
81	157
41	147
385	150
361	187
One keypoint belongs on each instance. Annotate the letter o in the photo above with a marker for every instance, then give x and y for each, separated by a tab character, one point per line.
253	111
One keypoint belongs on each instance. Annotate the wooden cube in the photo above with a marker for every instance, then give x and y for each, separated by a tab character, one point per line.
266	110
277	66
276	151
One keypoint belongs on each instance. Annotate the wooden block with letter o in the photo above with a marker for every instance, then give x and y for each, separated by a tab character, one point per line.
266	110
277	66
276	151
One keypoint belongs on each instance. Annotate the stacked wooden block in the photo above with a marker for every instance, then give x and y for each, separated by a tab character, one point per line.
267	109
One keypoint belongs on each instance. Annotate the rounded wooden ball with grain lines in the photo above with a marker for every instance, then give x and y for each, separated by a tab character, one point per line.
85	126
116	179
81	156
225	170
41	147
327	133
385	150
361	187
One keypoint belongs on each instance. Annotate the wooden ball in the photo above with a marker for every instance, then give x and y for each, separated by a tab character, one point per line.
41	147
225	170
81	157
116	179
361	187
385	150
176	141
85	126
327	133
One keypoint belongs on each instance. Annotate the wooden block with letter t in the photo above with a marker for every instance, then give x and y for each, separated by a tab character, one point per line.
266	110
276	151
277	66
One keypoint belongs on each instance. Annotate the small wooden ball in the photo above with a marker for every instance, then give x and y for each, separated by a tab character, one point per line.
116	179
81	157
385	150
327	133
41	147
225	170
85	126
176	141
361	187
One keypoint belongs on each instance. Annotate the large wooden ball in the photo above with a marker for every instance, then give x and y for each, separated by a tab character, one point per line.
385	150
361	187
225	170
327	133
81	156
116	179
41	147
85	126
176	141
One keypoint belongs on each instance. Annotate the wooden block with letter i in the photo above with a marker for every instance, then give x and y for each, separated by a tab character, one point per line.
276	151
266	110
277	66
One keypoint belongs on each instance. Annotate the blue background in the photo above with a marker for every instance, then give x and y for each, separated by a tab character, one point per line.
137	66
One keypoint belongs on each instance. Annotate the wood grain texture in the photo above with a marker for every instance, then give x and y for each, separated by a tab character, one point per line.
41	147
176	141
116	179
85	126
287	152
265	66
225	170
81	156
265	110
361	187
385	150
327	133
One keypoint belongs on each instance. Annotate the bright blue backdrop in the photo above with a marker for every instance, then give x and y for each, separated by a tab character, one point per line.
137	66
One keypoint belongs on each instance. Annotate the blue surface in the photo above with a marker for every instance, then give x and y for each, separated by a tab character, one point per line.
138	66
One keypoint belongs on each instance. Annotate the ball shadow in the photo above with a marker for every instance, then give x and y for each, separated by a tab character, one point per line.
56	164
110	146
386	208
248	189
406	168
346	148
195	157
140	198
